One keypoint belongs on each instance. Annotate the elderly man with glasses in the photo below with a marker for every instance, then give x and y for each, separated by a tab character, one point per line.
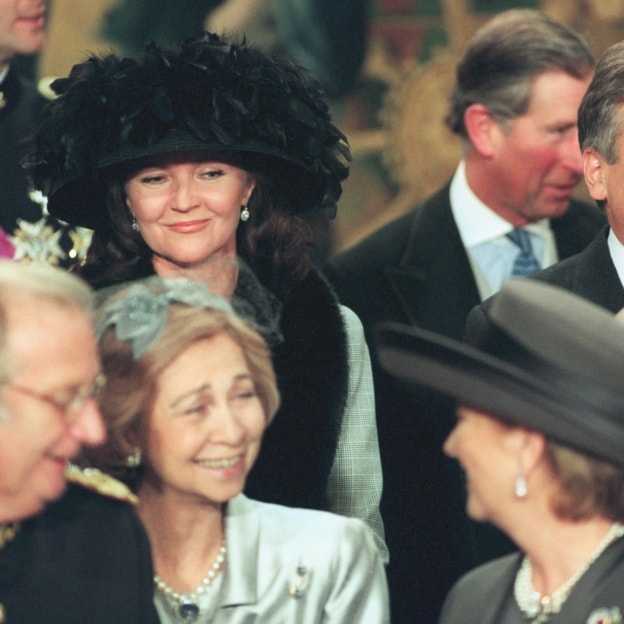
67	553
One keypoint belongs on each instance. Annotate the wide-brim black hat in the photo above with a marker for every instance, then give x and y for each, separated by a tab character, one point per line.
546	359
207	95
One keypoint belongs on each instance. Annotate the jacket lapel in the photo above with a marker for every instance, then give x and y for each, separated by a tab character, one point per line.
242	528
591	275
597	277
433	284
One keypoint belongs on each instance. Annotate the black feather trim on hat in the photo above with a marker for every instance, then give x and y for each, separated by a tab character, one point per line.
208	94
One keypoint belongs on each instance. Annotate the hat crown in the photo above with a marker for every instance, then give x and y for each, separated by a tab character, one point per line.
558	327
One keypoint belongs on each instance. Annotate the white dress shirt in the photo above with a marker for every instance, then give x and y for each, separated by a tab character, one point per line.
483	234
616	251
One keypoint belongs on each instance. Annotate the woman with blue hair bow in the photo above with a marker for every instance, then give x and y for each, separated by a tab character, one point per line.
190	389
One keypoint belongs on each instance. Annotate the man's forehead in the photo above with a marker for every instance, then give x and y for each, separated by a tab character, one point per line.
33	323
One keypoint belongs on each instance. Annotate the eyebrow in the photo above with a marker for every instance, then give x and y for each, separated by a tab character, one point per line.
206	386
188	394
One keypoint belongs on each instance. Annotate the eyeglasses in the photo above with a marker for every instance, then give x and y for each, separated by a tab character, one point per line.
67	406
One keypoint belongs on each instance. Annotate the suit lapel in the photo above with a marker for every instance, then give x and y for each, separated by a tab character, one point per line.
597	276
433	283
242	528
494	596
483	593
591	275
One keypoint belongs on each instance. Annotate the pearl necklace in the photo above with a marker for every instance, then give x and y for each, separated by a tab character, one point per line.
185	606
538	608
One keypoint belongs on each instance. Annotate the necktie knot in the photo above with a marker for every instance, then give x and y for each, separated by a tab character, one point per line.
525	263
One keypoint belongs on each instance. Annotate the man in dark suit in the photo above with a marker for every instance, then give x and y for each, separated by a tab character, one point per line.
32	236
597	273
22	25
67	553
519	85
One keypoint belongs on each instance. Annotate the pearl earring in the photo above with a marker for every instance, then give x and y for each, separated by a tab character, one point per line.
134	459
245	214
135	225
520	486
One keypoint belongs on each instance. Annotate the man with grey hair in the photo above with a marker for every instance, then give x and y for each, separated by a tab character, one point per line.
507	210
67	553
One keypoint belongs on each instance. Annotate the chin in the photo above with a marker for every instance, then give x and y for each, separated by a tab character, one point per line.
476	512
55	487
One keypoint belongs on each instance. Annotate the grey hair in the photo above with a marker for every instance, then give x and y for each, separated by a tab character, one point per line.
600	117
503	59
44	284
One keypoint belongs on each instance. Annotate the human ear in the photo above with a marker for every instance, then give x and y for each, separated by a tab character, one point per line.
595	171
482	129
251	185
532	449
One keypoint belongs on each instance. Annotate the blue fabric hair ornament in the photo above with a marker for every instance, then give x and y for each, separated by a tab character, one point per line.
139	312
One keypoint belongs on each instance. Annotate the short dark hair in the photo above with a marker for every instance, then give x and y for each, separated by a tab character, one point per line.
503	59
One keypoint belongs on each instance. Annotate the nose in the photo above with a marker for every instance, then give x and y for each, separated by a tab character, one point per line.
449	444
87	427
184	196
571	155
227	428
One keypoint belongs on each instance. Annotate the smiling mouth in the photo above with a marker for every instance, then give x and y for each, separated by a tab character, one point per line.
40	15
219	463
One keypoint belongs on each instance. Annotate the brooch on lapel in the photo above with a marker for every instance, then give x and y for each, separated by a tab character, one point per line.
299	582
605	616
8	533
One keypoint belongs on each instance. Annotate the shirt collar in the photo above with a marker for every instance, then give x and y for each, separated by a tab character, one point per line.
476	222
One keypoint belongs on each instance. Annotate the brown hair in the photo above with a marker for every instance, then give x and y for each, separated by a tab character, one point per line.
589	486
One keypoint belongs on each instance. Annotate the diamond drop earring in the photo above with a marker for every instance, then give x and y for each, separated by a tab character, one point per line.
520	486
134	459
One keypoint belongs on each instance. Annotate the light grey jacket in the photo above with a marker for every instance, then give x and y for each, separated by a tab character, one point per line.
287	566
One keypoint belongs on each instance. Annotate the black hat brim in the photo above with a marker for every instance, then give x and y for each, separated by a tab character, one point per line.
583	417
81	200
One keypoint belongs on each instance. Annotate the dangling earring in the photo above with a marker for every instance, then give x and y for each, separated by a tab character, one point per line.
245	214
135	225
520	486
134	459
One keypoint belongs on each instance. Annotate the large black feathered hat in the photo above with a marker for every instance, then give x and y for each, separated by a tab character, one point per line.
208	94
544	358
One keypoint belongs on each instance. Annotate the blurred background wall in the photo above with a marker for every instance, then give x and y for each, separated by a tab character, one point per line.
392	100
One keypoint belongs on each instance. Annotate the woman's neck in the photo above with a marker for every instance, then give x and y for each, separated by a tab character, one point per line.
555	560
185	536
219	273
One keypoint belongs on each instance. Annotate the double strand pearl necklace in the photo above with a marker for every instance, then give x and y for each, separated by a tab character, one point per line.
538	608
185	606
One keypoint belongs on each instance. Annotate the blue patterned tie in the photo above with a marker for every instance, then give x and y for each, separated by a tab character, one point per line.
525	263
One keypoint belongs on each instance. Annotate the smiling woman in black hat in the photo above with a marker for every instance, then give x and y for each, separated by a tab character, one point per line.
197	162
540	435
